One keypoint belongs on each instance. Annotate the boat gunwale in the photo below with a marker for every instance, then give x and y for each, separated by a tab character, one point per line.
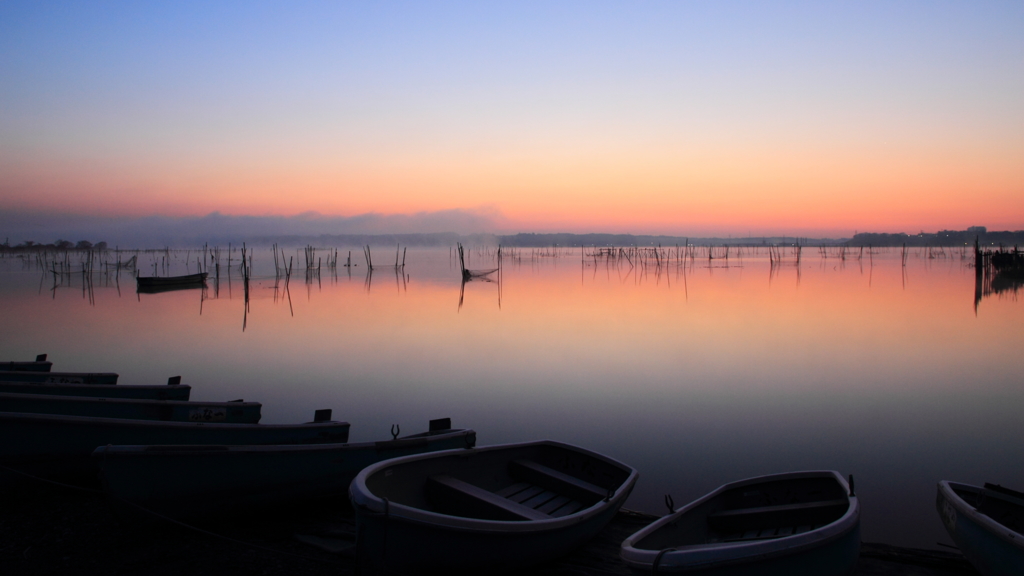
197	450
57	375
116	400
948	491
363	498
128	422
93	386
697	556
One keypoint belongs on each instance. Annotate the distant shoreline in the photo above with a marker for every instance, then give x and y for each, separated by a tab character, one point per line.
942	238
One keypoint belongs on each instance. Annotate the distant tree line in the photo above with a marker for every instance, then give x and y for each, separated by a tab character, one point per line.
940	238
62	245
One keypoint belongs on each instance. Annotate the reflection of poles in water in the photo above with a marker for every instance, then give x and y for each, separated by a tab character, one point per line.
996	272
903	267
246	273
462	292
369	279
480	275
979	271
462	288
686	288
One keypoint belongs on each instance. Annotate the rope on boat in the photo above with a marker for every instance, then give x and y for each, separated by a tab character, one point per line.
657	559
171	520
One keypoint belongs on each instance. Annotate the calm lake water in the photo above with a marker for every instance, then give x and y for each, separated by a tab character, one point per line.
695	374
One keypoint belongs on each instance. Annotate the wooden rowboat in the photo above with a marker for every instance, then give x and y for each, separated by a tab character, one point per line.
64	444
487	509
39	365
238	412
58	377
195	481
795	523
141	392
155	284
987	525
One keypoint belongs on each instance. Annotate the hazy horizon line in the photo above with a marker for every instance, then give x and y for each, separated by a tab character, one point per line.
19	226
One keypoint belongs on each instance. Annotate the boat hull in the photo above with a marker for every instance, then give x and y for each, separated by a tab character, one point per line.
25	366
837	557
795	523
171	287
162	410
64	444
994	549
389	544
190	481
170	281
406	533
180	392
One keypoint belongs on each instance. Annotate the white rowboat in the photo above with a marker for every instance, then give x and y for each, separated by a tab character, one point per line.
795	523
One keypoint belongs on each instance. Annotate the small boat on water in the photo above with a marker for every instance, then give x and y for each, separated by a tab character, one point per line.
155	284
64	444
237	412
58	377
987	525
142	392
486	509
795	523
39	365
193	481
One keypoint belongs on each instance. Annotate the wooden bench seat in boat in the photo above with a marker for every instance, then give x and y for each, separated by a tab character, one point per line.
543	493
764	533
541	500
555	481
453	496
746	520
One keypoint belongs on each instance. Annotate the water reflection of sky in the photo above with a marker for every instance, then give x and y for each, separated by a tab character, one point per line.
695	376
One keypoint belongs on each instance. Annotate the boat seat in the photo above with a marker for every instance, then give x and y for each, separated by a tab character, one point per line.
755	519
540	499
558	482
453	496
764	533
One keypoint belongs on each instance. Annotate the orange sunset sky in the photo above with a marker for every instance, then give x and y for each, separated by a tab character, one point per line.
667	118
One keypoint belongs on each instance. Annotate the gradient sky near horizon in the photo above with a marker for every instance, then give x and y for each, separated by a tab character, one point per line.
682	118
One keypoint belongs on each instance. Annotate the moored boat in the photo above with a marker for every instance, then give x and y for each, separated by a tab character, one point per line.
193	481
493	508
39	365
794	523
987	525
64	444
238	412
154	284
58	377
142	391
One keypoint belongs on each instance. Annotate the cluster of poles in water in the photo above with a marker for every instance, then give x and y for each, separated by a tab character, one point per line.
73	267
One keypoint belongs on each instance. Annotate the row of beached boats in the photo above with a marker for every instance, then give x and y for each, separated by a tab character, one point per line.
434	502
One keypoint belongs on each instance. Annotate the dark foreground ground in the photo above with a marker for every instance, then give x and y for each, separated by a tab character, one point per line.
52	530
